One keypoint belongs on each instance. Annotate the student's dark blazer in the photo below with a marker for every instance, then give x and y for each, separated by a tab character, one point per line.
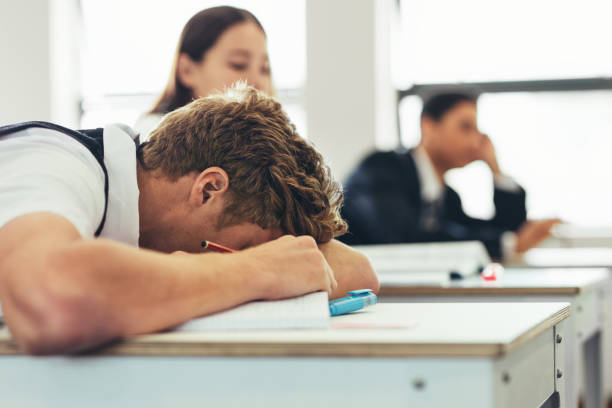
383	205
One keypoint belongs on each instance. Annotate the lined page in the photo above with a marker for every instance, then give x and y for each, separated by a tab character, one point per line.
310	311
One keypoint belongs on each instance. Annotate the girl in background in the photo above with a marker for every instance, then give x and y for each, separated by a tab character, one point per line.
218	46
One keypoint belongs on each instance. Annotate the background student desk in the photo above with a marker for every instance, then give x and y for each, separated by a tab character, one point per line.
583	288
565	258
462	355
575	236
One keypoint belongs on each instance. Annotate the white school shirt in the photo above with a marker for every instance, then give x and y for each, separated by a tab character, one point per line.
43	170
432	189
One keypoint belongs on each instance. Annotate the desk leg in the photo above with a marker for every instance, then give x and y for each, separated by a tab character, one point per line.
607	341
592	372
560	371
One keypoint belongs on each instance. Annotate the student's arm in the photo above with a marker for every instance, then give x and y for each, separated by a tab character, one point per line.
532	233
510	208
529	235
352	269
509	197
60	293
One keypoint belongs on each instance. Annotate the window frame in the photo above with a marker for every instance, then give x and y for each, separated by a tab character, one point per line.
423	91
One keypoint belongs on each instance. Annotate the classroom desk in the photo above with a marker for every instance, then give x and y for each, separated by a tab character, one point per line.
575	236
401	355
573	258
583	288
564	258
431	259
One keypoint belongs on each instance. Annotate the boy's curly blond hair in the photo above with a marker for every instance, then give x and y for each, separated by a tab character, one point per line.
276	178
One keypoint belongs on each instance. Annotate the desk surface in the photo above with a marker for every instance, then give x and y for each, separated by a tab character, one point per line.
515	282
576	236
566	257
383	330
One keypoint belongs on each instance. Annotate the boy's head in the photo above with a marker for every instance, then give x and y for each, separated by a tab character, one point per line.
243	166
449	129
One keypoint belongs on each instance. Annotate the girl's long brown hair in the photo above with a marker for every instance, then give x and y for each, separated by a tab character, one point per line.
199	34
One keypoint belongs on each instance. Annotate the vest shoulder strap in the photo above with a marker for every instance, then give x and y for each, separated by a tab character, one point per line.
92	139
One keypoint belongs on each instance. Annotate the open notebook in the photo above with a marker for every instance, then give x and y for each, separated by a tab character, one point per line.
303	312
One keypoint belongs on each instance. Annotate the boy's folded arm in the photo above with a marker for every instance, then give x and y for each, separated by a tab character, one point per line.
61	293
352	269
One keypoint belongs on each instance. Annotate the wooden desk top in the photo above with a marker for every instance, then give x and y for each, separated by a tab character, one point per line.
384	330
515	282
566	257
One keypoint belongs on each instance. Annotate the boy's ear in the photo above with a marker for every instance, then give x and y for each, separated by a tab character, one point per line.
185	68
209	186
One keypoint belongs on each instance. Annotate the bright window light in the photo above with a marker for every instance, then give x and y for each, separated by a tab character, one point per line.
482	40
557	145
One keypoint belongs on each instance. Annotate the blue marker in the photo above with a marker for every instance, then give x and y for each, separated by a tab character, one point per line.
357	299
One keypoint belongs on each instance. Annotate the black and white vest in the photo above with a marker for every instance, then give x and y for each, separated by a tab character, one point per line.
92	139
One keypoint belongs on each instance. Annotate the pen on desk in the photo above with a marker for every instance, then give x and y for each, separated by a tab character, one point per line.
216	247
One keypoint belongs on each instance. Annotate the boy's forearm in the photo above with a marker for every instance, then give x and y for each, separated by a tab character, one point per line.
145	291
351	268
97	291
60	293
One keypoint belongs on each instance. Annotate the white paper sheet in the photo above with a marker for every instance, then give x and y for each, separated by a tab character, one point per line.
303	312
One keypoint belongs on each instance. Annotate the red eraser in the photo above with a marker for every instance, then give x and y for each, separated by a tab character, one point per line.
492	272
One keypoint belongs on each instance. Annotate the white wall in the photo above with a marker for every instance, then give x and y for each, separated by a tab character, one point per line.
65	41
38	78
349	98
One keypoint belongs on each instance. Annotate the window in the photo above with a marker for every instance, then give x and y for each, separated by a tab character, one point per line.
551	131
557	145
479	40
129	46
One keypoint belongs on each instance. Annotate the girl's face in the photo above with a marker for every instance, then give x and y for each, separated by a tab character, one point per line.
240	53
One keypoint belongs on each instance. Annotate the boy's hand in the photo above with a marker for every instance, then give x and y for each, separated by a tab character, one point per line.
288	266
487	154
532	233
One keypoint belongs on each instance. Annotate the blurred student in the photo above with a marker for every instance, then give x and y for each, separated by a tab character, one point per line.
395	197
229	168
218	46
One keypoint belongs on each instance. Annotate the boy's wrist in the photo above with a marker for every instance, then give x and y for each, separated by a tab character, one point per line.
256	283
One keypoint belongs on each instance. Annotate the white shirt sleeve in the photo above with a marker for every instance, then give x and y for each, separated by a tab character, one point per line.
508	246
506	183
45	171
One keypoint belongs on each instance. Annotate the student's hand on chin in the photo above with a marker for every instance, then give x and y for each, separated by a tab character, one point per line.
487	154
532	233
289	266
